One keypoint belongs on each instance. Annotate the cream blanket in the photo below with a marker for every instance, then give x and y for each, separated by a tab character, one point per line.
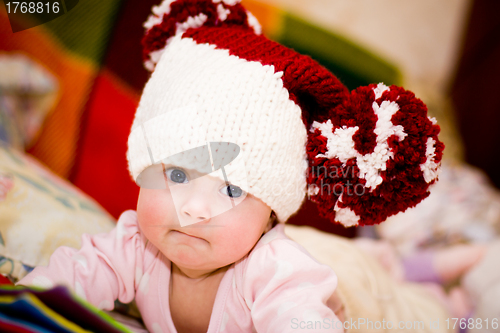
369	293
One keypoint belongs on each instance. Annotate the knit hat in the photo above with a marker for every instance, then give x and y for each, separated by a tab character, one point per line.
288	125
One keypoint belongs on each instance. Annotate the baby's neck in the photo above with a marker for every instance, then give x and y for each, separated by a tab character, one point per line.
192	298
197	275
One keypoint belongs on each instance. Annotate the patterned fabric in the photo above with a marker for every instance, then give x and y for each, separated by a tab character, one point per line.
71	47
40	212
463	207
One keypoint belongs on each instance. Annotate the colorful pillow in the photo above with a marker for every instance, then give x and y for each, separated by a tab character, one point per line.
40	212
53	310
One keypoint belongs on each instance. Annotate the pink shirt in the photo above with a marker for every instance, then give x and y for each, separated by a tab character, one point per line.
277	287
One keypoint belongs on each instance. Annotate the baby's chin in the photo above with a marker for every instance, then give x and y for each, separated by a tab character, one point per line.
198	257
186	251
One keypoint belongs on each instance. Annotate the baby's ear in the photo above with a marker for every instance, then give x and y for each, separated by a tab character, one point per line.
273	221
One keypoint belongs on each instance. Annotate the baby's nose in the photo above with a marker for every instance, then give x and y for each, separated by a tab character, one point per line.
193	202
197	207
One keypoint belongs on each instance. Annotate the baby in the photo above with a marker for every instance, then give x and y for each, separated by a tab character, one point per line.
226	130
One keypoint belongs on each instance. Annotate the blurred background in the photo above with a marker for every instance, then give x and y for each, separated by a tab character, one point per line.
69	88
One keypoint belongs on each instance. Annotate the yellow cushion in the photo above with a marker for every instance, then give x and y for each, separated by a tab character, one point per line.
40	212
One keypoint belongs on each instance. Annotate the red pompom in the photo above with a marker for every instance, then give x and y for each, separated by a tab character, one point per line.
375	156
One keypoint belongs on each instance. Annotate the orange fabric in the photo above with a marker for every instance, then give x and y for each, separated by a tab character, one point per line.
269	17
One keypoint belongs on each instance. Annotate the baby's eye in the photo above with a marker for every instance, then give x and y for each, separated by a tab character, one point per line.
232	191
177	176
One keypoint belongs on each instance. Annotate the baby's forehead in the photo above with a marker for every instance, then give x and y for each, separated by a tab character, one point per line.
222	160
155	176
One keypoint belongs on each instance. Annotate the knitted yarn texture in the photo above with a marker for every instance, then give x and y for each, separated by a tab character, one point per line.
216	80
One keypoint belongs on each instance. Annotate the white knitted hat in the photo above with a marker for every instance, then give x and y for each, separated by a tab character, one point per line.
218	85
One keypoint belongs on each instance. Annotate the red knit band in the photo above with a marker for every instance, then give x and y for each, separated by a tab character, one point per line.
310	85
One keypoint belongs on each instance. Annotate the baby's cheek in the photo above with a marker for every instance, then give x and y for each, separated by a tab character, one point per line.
155	207
234	245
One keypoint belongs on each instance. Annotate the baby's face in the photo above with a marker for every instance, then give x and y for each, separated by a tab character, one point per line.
207	240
